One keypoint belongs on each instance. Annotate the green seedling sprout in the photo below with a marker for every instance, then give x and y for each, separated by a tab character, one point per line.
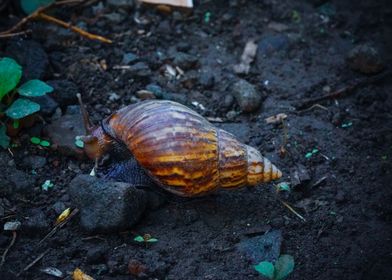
37	141
282	268
146	238
47	185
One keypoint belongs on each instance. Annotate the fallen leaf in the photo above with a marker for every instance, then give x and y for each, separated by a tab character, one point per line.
53	272
247	58
64	215
276	119
80	275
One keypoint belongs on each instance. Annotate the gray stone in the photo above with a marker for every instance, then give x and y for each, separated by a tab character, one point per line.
140	70
262	248
59	207
106	206
299	176
31	56
63	131
129	58
47	104
64	92
365	59
247	96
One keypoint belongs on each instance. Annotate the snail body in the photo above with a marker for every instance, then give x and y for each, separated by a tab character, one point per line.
179	149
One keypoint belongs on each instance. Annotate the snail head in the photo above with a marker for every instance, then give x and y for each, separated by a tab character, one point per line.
96	142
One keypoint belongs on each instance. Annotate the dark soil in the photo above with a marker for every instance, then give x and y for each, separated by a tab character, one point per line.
347	233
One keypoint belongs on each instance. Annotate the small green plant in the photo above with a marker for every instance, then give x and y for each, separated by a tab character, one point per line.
146	238
282	268
14	102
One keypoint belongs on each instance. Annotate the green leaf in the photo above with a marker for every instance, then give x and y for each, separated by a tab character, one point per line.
78	142
10	74
47	185
152	240
283	186
30	6
4	139
34	88
35	140
139	238
266	269
283	267
44	143
22	108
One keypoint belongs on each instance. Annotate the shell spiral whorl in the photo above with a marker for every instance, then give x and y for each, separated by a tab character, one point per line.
183	152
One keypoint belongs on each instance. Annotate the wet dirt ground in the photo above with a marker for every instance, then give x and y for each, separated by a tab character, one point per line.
347	229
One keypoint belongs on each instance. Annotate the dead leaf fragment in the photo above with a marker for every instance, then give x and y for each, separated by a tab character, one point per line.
80	275
276	118
64	215
247	58
178	3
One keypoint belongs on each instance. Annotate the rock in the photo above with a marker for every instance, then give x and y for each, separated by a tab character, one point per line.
247	96
140	70
365	59
299	176
185	61
262	248
12	226
129	58
270	44
34	162
36	223
145	95
48	105
106	206
64	92
31	56
63	131
16	181
155	89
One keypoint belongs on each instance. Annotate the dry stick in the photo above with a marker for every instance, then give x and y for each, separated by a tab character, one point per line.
33	262
8	35
74	28
292	210
344	90
60	225
8	248
39	13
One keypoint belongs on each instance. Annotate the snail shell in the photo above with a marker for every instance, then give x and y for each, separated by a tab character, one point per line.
184	153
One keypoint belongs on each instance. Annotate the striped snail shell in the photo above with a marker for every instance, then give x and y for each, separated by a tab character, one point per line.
179	149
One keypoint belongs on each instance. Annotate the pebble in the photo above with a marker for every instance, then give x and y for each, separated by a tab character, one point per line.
248	98
31	56
365	59
129	58
12	226
63	131
262	248
59	207
106	206
140	70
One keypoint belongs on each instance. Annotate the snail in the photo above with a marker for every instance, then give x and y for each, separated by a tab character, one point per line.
167	144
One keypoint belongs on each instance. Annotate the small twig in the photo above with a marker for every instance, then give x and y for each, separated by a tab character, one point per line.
292	210
9	35
74	28
313	107
58	226
33	262
8	248
344	90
